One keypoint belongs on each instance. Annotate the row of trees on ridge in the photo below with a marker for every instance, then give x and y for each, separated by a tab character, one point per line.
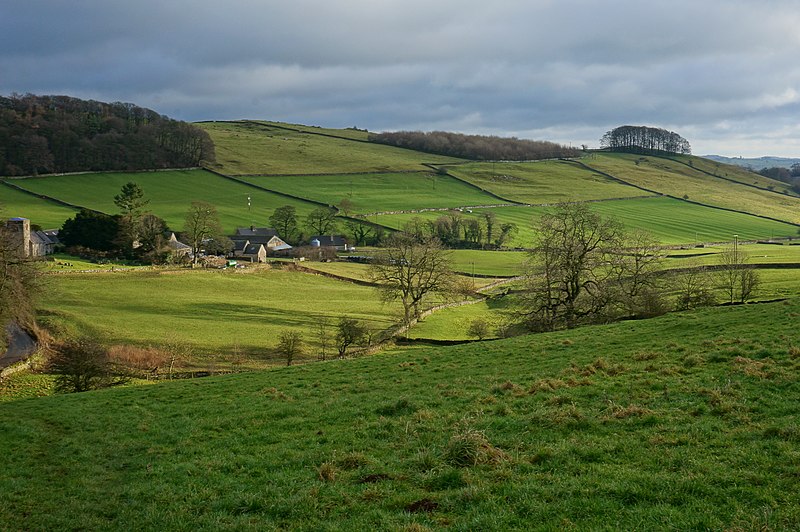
476	147
643	139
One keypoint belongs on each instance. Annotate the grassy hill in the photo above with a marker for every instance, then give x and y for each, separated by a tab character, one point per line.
47	214
249	147
670	220
543	181
170	194
679	180
688	421
376	192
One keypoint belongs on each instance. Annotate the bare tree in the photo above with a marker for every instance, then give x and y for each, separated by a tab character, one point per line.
284	220
349	332
82	365
736	278
321	221
323	325
693	287
411	271
290	345
201	226
636	267
570	269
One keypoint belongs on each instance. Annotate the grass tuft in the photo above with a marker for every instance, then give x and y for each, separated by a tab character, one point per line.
470	447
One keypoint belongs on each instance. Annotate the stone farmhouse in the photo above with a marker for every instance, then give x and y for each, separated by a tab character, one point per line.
31	243
255	243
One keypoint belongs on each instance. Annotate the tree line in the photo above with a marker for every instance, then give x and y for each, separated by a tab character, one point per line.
477	147
790	176
53	134
643	139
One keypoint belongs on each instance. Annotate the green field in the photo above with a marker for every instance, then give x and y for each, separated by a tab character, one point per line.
678	180
47	214
371	193
542	182
734	172
170	194
758	254
495	263
215	313
348	133
671	221
453	323
250	148
684	422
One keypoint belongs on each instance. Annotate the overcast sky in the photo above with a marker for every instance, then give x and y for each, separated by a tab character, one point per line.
725	74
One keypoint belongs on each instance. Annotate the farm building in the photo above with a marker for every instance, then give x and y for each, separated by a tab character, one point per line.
255	243
178	248
31	243
330	241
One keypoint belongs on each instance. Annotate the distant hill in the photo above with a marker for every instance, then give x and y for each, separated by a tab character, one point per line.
755	163
55	134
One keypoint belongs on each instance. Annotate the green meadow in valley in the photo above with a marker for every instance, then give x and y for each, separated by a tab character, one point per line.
217	314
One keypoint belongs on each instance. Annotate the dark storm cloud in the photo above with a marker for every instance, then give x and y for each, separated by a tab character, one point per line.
722	72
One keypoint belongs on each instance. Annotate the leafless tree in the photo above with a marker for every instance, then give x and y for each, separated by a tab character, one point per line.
202	225
569	274
349	331
410	271
290	345
736	278
321	221
636	266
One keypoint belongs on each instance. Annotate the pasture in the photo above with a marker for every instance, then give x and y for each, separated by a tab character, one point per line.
734	172
170	194
370	193
542	181
226	318
671	221
678	180
258	148
687	421
45	213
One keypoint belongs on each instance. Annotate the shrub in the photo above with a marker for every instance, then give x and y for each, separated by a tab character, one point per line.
82	365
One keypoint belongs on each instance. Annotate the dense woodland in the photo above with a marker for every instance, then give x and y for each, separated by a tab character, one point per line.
53	134
476	147
643	139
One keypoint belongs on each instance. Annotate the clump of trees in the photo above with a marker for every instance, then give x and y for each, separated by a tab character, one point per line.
455	230
643	139
49	134
477	147
585	268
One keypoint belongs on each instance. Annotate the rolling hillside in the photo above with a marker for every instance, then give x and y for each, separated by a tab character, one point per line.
688	421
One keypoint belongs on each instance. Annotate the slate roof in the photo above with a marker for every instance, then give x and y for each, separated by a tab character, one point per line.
330	240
